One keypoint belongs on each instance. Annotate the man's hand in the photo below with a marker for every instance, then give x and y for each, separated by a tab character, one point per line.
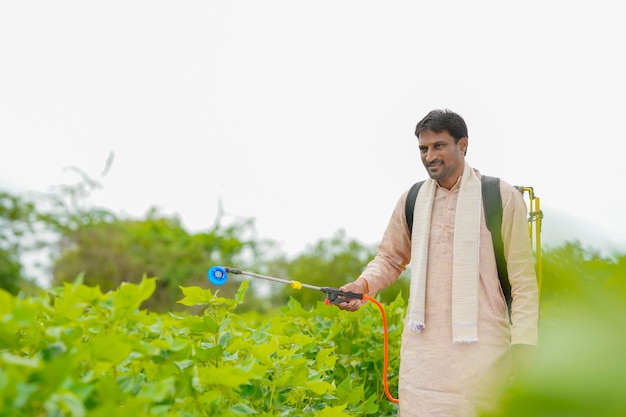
358	286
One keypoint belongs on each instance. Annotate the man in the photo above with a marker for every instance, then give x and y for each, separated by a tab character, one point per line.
458	345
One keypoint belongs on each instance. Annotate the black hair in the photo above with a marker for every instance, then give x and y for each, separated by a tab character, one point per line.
443	120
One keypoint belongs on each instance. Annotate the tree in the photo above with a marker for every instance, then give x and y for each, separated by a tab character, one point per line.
110	252
17	217
106	250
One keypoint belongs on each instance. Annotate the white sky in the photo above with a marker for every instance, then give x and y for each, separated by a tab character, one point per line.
301	114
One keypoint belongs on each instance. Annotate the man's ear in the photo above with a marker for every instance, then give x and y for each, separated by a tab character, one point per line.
463	144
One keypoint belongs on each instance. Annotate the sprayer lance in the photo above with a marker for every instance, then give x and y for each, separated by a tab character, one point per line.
333	295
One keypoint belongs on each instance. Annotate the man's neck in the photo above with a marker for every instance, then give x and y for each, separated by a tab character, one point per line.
452	180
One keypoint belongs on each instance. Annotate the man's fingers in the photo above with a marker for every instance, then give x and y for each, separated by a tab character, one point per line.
351	305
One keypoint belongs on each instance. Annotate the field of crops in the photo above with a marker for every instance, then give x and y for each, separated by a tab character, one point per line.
76	351
79	352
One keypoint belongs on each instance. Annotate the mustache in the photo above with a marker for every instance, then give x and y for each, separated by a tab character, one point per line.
433	163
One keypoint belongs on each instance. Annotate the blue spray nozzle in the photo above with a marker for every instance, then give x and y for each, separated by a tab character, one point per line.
217	275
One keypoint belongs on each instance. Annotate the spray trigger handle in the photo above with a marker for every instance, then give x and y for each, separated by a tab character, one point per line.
336	296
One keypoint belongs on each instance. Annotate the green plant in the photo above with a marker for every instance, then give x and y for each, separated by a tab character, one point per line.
76	351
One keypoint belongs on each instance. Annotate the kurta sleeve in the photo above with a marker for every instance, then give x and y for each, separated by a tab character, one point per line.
521	267
393	253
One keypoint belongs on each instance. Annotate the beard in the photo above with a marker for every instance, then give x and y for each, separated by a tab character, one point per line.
436	169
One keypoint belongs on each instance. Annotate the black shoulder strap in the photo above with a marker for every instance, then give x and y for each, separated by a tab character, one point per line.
409	206
492	204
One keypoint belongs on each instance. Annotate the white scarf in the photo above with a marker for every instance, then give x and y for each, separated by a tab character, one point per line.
466	251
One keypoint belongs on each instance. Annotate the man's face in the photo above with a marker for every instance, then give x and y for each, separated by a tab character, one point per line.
443	159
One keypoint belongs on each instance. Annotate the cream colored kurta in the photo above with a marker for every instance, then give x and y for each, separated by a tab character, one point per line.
437	377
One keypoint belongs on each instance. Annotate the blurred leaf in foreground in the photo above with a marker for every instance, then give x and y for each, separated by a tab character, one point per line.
581	368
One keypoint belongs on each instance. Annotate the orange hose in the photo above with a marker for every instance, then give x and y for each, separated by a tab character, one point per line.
386	347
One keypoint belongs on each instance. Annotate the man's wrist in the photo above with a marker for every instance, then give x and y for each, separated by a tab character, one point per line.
367	285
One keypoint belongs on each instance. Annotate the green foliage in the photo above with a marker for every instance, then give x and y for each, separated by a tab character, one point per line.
10	271
79	351
16	219
16	226
581	367
89	347
109	253
30	224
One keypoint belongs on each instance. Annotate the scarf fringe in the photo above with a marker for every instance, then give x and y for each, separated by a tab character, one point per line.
416	326
466	341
